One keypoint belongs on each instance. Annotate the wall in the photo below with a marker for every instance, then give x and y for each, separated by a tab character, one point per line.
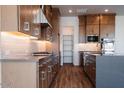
74	22
119	35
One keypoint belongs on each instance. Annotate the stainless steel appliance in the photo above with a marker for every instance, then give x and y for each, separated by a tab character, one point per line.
107	46
92	38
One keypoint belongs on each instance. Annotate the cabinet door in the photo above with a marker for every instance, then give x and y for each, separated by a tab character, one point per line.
82	34
55	32
35	23
107	27
92	19
82	28
92	25
107	31
48	12
25	15
9	18
107	19
92	30
82	20
48	34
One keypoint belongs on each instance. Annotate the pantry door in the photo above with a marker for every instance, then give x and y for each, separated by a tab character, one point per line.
68	44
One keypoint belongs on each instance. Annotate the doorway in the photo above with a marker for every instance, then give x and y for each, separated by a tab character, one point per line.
67	44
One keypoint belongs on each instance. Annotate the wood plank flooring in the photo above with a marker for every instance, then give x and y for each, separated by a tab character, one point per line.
71	76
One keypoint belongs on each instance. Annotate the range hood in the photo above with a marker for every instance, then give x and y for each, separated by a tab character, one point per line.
43	19
39	17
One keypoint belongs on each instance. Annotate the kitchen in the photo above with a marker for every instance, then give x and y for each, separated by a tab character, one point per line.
51	46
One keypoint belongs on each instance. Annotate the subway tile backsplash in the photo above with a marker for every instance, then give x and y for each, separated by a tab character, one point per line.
19	47
89	47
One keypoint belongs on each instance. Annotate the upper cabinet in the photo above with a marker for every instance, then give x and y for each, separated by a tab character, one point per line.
107	26
92	19
107	19
102	25
23	18
9	18
55	34
47	10
35	21
29	16
82	20
92	25
82	28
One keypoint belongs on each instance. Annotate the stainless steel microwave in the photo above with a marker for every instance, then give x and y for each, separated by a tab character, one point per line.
92	38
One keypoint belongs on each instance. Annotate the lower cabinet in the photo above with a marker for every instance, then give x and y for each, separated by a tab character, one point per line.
90	68
43	75
48	69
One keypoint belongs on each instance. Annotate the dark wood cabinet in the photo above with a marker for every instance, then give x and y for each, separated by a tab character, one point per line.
92	25
106	19
82	20
25	19
35	21
82	29
47	10
81	59
92	30
29	17
56	32
30	24
102	25
90	68
46	33
48	69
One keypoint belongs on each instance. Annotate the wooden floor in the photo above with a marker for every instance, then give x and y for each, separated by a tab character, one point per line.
71	77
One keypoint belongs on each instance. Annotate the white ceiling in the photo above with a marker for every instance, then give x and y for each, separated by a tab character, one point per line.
91	9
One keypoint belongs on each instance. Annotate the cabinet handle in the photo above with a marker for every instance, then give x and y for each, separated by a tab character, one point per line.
49	69
43	75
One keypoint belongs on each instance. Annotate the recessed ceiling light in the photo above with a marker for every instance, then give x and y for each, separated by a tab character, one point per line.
70	11
106	10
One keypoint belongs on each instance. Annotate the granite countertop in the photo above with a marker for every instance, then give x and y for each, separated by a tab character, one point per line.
25	59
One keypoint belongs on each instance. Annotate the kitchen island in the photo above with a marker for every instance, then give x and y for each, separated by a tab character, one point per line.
110	71
104	71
